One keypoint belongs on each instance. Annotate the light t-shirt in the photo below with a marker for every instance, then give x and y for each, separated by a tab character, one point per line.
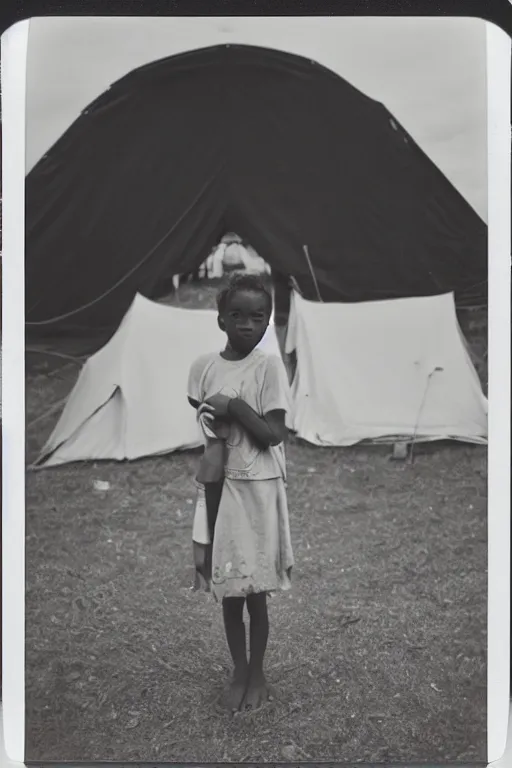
260	380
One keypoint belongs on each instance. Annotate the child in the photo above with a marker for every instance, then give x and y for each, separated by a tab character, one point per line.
242	397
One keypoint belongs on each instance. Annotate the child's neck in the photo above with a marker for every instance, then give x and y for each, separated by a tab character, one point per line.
232	354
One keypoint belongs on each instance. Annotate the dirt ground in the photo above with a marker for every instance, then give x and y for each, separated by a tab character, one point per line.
378	653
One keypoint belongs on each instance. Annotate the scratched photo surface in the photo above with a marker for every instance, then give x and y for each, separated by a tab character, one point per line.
315	589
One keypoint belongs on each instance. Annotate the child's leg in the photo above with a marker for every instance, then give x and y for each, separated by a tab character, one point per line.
233	611
257	692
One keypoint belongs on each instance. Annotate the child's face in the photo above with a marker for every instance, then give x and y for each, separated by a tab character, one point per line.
245	320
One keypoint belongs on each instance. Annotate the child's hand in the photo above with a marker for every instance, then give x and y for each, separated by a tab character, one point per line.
221	428
218	406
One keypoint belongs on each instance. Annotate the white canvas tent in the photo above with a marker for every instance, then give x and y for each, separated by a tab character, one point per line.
371	371
381	370
130	398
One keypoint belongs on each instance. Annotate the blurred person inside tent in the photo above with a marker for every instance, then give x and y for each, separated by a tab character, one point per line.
231	254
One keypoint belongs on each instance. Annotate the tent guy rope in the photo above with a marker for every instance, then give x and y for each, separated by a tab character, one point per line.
49	412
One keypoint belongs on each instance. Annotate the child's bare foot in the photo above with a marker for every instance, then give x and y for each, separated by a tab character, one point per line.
257	693
236	693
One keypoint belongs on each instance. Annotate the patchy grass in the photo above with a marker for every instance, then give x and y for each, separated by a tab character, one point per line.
378	654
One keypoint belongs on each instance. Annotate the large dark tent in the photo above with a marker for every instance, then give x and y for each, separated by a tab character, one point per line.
233	138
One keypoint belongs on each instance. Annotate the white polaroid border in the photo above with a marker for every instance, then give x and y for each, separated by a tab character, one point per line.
498	621
14	58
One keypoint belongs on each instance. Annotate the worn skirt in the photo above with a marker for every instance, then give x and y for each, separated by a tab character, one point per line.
252	550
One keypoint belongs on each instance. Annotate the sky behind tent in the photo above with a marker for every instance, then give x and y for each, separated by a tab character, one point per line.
430	73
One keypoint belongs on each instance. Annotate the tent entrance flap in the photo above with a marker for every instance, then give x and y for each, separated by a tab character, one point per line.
99	436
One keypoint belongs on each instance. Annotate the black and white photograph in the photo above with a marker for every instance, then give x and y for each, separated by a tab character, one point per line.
256	381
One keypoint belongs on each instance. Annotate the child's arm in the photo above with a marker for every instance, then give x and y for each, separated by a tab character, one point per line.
266	430
219	430
269	429
194	394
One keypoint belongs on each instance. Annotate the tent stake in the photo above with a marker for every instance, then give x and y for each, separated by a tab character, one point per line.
400	451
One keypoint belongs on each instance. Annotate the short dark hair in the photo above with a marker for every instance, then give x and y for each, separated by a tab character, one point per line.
240	281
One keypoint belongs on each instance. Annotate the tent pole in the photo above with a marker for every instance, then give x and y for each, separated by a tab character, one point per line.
420	412
306	253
